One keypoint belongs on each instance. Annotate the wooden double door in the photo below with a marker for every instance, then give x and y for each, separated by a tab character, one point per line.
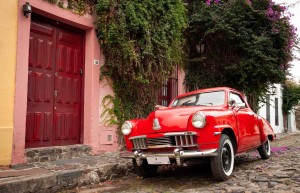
55	75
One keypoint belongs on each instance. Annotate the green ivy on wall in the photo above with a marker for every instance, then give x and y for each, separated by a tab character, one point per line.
142	42
80	7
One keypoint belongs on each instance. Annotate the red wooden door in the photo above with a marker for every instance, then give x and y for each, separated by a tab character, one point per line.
54	86
67	104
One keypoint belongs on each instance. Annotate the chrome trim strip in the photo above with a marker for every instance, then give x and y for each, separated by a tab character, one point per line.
222	126
140	143
176	140
157	128
156	125
186	140
164	146
137	137
217	133
180	133
181	141
159	146
180	154
192	140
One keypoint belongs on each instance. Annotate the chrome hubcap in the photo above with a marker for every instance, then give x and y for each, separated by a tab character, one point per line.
226	158
267	147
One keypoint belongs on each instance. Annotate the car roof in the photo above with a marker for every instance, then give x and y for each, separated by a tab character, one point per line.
209	90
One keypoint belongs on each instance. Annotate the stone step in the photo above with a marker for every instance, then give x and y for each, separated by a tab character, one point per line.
61	175
45	154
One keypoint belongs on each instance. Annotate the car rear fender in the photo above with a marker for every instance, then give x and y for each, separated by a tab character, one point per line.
265	129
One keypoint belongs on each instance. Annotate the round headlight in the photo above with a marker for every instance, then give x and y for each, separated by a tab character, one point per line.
126	128
199	120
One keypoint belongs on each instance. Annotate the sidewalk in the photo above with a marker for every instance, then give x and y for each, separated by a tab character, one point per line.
55	176
283	135
61	175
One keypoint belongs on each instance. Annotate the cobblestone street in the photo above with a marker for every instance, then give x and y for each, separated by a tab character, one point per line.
280	173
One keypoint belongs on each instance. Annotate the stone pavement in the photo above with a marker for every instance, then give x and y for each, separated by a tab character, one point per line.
110	173
56	176
279	174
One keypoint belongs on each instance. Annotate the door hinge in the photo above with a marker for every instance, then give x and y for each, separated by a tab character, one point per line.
81	71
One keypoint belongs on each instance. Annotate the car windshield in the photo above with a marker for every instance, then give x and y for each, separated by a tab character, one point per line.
201	99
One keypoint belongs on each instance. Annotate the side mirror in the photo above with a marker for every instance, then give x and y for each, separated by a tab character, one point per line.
231	103
158	107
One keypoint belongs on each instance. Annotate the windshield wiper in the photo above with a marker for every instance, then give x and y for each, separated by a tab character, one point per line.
185	103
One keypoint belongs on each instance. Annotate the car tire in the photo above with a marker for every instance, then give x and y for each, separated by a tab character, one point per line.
265	150
145	170
222	164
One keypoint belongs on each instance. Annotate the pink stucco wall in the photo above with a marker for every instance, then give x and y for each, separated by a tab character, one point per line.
94	90
181	85
95	133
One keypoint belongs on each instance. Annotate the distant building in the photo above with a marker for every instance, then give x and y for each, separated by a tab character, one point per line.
271	110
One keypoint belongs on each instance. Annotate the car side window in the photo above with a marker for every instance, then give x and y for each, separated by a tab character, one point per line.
236	97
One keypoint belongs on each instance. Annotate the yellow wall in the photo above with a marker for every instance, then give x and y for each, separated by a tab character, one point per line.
8	50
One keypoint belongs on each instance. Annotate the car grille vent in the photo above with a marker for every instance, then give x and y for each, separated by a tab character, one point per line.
185	140
182	140
139	143
159	141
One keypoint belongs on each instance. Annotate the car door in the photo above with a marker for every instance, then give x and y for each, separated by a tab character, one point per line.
247	123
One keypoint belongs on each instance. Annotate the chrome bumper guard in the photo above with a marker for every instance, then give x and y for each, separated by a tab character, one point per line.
177	154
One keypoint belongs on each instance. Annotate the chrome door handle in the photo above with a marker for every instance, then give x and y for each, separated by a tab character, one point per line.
56	93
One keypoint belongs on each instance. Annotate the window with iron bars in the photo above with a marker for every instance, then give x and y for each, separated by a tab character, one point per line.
169	89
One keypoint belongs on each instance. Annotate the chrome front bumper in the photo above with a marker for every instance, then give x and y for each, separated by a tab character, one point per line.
177	154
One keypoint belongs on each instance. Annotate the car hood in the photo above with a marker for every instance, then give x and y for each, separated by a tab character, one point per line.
170	120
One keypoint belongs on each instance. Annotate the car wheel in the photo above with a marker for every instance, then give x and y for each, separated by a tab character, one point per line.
222	164
265	150
145	170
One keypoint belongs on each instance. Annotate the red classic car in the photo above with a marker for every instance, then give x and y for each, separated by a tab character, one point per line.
213	124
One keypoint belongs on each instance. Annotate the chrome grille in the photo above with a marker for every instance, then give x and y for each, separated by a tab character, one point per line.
159	141
184	140
139	143
180	139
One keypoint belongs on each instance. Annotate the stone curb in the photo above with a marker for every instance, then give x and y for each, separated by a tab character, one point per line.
66	180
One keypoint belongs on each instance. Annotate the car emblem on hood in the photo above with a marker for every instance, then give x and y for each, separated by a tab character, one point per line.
156	125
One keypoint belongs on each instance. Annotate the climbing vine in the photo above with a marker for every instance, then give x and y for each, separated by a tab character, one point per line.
247	45
80	7
142	42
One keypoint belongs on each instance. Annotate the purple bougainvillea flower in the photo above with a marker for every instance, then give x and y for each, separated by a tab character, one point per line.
278	149
208	2
270	12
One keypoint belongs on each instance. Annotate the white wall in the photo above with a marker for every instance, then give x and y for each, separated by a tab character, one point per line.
292	127
263	112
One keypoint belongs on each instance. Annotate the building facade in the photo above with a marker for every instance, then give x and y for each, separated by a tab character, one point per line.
8	46
50	89
271	110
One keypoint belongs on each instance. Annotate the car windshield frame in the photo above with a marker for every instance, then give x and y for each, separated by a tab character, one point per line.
194	99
